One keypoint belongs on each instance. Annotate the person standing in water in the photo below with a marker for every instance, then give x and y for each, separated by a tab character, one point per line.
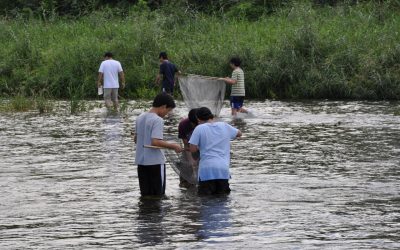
185	130
167	73
149	132
238	91
212	139
109	72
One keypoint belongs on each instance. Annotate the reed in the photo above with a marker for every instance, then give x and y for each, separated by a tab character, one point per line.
342	52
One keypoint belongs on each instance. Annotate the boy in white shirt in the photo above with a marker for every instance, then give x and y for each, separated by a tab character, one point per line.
109	71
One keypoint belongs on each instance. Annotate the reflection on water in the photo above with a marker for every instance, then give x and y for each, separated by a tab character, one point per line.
214	218
305	175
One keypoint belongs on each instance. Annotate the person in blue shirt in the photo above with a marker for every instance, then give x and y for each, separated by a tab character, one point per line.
167	73
212	139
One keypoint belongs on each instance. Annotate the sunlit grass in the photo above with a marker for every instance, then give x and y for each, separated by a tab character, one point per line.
346	52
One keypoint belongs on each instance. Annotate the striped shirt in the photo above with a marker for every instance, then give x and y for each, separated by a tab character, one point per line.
238	88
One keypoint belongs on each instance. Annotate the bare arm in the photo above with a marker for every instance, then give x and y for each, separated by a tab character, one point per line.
239	134
193	148
185	143
164	144
99	79
158	78
229	80
122	75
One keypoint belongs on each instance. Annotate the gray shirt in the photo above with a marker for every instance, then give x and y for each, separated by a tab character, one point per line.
148	126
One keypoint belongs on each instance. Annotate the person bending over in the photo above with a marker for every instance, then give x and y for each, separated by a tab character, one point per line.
212	139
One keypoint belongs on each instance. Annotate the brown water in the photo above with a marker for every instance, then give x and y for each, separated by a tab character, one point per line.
306	175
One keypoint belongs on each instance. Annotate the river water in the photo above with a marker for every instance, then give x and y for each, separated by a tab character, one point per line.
306	175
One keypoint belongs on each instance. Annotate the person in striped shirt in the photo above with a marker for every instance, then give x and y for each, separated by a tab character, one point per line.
238	90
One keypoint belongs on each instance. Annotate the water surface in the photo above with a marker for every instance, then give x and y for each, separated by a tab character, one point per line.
306	175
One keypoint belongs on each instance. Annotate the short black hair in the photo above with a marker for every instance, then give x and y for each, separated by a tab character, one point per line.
163	55
204	114
108	54
163	99
192	116
235	61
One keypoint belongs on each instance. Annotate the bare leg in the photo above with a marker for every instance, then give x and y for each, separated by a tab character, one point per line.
234	112
108	104
116	105
243	110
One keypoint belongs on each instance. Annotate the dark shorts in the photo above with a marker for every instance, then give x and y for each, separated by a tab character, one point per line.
237	102
152	179
212	187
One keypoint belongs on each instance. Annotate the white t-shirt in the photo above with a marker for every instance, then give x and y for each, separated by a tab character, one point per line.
110	69
148	126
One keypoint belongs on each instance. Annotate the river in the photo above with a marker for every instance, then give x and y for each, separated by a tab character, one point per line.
305	175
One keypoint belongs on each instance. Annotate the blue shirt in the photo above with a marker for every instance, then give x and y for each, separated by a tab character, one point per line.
168	70
213	140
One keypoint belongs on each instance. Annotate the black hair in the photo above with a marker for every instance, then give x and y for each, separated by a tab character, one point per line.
163	99
204	114
235	61
163	55
108	54
192	116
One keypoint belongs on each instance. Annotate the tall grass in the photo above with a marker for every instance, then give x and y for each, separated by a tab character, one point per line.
346	52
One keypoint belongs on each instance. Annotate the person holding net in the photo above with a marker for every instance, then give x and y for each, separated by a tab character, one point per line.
238	88
190	160
149	141
167	74
212	139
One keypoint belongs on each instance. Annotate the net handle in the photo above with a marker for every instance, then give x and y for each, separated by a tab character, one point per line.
204	77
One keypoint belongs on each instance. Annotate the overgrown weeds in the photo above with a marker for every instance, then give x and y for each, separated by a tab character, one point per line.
341	52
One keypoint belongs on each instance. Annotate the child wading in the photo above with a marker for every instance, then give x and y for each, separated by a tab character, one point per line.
212	139
149	132
238	89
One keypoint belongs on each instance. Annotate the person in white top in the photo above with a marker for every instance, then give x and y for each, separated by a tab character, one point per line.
109	72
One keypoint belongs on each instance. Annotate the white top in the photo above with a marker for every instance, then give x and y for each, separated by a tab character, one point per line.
148	126
110	69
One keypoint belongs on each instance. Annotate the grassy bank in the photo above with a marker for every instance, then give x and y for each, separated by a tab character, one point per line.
345	52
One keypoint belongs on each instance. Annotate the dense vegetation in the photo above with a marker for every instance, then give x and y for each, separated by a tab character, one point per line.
312	49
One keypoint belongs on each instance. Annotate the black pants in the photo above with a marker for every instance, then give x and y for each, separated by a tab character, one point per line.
212	187
152	179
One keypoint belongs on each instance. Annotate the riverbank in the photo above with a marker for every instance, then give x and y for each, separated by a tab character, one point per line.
343	52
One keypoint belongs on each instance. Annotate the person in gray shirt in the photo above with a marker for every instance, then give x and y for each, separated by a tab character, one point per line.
149	142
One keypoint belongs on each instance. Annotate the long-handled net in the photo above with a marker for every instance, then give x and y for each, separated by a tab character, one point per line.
185	164
197	91
202	91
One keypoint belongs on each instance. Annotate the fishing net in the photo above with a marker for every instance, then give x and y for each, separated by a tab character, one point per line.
197	91
185	164
202	91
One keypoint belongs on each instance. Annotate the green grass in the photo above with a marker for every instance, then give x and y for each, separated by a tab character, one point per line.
346	52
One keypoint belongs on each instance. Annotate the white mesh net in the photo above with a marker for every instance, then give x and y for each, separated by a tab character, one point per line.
202	91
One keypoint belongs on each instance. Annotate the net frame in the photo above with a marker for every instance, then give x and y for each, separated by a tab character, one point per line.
211	94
